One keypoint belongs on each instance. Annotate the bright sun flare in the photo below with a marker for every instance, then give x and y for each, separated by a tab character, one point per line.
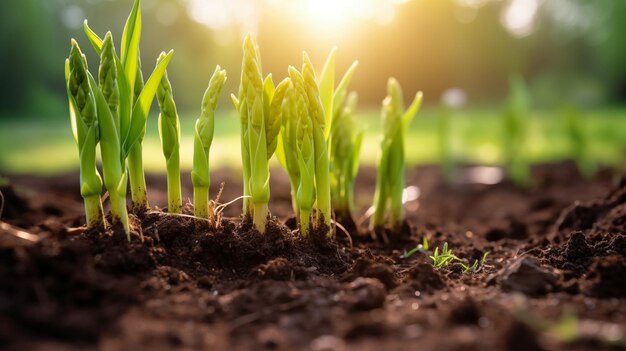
323	15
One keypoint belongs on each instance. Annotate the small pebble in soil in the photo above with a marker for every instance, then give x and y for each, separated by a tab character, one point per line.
528	276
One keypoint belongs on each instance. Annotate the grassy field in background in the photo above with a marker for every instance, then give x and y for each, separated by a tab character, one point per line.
46	146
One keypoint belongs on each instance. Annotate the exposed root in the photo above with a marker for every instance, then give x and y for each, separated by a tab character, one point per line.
338	225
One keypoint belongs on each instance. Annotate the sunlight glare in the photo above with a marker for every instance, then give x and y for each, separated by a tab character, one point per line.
519	17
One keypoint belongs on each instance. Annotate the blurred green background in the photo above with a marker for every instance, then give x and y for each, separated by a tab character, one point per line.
570	52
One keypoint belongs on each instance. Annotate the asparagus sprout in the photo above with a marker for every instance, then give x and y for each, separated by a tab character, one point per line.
121	126
110	146
390	181
260	126
515	128
322	167
135	99
169	133
307	116
84	121
345	149
203	138
293	107
135	156
339	132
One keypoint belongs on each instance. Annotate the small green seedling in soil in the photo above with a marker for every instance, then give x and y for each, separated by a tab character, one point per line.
84	121
260	126
423	248
391	179
443	259
169	133
477	264
515	120
203	137
574	125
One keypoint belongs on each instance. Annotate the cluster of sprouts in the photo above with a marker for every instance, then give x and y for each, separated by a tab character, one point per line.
306	120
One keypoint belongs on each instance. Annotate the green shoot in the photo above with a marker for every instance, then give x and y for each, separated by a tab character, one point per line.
391	179
169	133
446	257
477	264
423	248
343	136
122	125
286	151
110	146
345	145
322	166
574	124
260	126
135	100
203	137
298	147
515	121
311	105
443	259
84	121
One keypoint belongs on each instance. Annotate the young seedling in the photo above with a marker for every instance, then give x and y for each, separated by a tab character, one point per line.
443	259
322	165
260	126
110	146
477	264
298	151
121	125
390	181
574	125
343	137
345	145
305	138
423	248
84	121
203	137
169	133
135	99
515	119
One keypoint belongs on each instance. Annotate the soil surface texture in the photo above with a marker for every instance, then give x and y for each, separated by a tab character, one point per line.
546	270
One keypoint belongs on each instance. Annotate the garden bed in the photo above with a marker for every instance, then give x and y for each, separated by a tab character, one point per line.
553	278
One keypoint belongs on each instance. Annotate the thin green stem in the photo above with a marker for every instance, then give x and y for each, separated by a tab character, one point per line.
260	215
137	179
174	196
322	179
93	211
119	213
305	219
200	202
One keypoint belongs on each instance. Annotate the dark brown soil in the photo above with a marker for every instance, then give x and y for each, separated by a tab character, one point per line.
557	249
